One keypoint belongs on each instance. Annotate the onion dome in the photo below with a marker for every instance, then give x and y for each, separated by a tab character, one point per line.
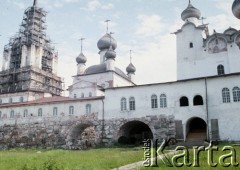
190	12
131	68
81	59
106	41
236	8
110	54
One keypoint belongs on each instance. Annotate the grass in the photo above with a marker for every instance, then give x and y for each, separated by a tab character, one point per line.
95	159
203	161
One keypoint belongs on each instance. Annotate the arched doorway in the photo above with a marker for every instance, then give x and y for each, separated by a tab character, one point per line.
82	136
134	132
196	130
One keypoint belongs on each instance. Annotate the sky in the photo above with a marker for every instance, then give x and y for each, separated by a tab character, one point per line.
143	26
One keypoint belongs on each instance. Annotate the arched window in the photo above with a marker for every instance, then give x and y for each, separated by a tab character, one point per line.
71	110
132	103
12	114
154	101
236	94
123	104
25	113
21	99
184	101
90	94
220	70
55	111
75	96
82	95
10	100
88	108
191	45
197	100
163	101
226	95
40	112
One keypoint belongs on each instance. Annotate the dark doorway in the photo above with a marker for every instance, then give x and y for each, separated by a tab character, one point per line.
134	132
196	130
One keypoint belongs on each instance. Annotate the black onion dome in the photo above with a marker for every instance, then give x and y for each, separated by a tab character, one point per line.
190	12
236	8
131	68
81	59
106	41
110	54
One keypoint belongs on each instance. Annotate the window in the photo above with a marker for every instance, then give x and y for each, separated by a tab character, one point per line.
88	108
197	100
21	99
154	102
131	103
40	112
10	100
226	95
0	101
25	113
184	101
12	114
236	94
220	70
191	45
0	114
163	101
55	111
82	95
90	94
71	110
123	104
75	96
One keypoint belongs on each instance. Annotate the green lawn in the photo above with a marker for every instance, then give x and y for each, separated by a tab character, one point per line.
95	159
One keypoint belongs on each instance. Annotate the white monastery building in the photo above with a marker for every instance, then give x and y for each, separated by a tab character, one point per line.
105	106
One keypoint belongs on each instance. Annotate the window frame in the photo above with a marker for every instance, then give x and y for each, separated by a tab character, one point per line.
71	110
55	111
123	104
132	104
236	94
163	100
154	101
220	69
226	96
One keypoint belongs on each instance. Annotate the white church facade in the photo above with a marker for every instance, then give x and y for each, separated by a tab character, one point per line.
105	106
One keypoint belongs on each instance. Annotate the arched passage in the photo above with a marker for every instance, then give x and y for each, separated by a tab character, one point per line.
134	132
196	129
82	136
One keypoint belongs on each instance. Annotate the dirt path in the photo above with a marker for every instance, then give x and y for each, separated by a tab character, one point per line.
137	165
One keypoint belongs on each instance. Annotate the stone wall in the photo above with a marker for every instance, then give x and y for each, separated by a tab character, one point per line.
82	132
73	133
161	126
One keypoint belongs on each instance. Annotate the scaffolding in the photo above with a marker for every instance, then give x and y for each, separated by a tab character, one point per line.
24	78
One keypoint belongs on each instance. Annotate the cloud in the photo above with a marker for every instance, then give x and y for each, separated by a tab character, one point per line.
150	25
95	5
20	5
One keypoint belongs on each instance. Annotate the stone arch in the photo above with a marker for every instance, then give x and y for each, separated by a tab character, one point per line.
134	132
196	129
82	136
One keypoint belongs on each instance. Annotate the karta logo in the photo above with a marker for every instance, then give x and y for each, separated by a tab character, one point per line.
153	153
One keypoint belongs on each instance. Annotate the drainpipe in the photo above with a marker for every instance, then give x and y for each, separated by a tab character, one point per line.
206	90
103	121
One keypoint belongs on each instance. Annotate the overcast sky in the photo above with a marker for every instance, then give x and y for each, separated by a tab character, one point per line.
144	26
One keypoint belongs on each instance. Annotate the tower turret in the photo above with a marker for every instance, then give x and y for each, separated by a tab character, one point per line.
81	60
191	14
131	69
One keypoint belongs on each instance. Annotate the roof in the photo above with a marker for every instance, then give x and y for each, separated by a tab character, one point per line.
50	100
102	68
177	81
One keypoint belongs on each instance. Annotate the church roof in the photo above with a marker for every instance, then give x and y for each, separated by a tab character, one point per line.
101	68
190	12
